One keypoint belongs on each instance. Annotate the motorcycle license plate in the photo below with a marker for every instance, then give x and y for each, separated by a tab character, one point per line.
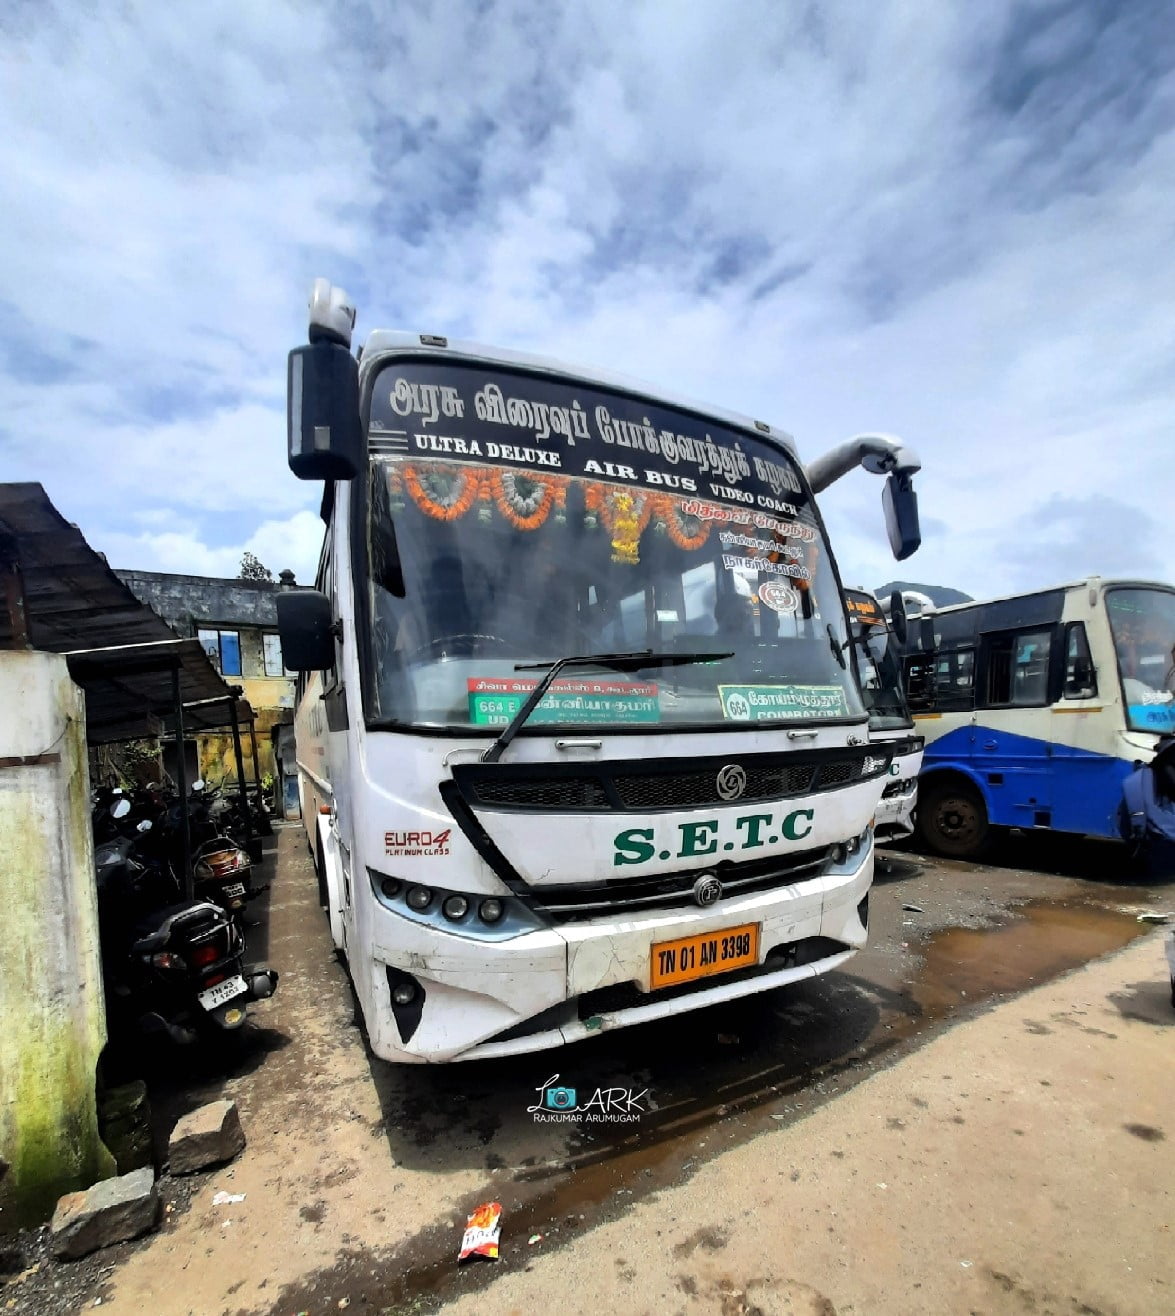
702	956
222	992
235	889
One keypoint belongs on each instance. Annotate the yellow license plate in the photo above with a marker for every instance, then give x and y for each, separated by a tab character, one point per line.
688	958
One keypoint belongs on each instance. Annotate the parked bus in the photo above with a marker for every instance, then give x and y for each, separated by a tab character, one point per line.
877	649
1037	707
579	743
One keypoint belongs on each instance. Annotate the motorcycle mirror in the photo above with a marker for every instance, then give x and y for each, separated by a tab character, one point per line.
145	825
120	809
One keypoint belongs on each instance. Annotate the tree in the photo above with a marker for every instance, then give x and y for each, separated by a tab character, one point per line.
252	568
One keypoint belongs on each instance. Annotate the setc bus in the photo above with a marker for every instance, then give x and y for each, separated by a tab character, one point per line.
1036	708
877	650
578	742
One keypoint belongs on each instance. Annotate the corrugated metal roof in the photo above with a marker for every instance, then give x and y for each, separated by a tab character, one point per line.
120	651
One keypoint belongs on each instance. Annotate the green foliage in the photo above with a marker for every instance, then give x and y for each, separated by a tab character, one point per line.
252	568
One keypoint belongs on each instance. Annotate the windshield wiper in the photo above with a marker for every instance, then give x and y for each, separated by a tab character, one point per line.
619	662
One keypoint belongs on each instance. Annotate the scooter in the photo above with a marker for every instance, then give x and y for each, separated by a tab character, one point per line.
186	974
170	965
223	873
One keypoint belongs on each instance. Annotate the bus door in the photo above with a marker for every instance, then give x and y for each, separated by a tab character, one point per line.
1087	771
1011	736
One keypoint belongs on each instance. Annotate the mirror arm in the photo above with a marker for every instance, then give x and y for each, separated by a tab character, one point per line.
880	454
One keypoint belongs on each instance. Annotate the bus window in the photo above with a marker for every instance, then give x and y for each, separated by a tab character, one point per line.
1080	677
1018	669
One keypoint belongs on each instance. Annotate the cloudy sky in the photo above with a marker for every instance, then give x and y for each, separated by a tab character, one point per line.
955	223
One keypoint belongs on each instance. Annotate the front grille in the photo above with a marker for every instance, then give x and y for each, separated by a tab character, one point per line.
686	790
836	774
553	793
665	784
571	901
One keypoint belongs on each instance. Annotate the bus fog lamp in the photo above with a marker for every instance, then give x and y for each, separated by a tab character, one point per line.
404	993
390	886
419	898
455	907
491	911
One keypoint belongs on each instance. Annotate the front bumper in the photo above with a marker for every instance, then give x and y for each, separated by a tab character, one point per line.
483	999
893	819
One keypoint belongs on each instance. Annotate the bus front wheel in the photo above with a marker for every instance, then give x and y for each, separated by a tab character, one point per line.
952	821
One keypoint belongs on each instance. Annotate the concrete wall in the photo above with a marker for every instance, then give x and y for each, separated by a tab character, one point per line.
52	1014
183	601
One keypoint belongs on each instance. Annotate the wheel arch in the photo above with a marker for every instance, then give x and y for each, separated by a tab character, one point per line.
330	877
952	774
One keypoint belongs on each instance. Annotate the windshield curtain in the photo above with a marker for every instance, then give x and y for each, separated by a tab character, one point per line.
1143	625
517	520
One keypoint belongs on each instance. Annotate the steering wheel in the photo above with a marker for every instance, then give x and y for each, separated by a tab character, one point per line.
471	637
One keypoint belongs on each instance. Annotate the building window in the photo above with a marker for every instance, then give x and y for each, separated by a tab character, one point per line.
273	655
224	648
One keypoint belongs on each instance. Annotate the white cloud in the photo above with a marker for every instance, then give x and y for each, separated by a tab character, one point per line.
947	223
292	544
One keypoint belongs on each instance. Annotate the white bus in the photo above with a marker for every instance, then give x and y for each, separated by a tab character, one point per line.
1036	708
877	648
579	742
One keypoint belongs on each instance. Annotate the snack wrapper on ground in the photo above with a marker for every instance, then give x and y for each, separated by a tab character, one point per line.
481	1232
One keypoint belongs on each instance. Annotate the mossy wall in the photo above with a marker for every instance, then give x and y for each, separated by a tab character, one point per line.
52	1014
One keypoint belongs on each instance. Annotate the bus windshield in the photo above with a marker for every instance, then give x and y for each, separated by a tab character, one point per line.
1143	625
878	663
519	519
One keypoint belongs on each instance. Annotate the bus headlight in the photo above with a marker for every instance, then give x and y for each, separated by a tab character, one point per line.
456	913
491	910
455	908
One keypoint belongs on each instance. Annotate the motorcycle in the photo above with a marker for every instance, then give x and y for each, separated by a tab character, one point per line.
223	873
170	965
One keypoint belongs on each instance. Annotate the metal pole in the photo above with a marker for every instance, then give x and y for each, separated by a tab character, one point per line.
181	775
232	711
253	749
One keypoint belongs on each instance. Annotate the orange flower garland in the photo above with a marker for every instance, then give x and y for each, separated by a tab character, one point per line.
673	519
466	481
513	504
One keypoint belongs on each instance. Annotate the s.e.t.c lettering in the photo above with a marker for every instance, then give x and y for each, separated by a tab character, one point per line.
703	836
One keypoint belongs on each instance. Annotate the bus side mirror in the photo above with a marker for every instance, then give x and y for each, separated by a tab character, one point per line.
325	435
926	634
306	628
900	504
897	616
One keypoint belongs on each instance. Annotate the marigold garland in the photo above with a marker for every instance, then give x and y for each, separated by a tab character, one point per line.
674	521
466	481
523	511
624	514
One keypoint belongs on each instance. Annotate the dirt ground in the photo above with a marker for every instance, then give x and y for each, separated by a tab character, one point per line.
927	1131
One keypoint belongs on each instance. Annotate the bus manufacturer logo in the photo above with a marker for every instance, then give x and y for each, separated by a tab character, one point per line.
417	845
707	891
731	781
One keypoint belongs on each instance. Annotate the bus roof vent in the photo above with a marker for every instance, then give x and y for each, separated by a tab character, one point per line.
434	340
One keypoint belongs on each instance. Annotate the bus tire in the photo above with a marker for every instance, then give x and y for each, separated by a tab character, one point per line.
952	820
320	873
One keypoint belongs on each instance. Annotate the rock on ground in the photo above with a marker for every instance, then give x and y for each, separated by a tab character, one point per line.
208	1136
110	1212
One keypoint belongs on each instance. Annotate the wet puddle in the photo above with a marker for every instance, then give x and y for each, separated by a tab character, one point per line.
718	1079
